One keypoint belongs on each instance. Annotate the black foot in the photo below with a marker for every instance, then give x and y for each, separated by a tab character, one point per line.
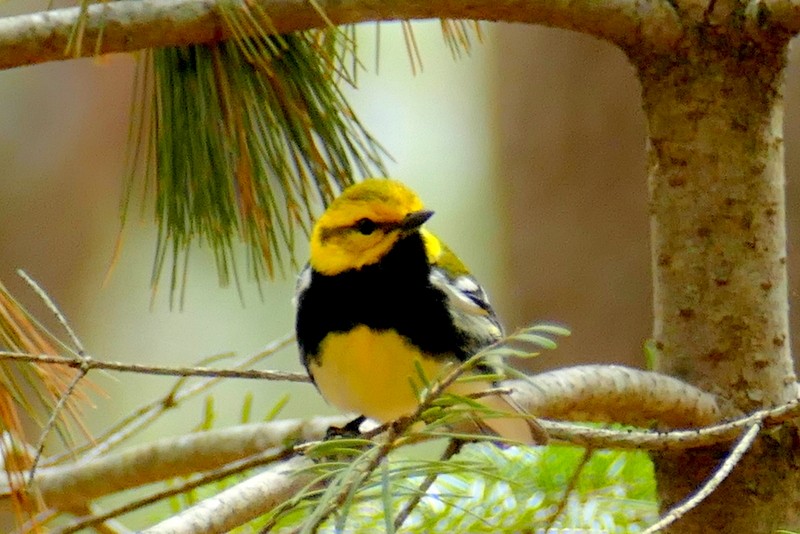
350	430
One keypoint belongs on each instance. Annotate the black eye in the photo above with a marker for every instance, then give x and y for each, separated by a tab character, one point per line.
366	226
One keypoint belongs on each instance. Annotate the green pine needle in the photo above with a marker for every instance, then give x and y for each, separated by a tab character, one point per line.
245	139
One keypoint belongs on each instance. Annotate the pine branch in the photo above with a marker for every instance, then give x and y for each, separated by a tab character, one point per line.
719	475
86	364
70	486
254	497
616	393
240	503
128	25
61	486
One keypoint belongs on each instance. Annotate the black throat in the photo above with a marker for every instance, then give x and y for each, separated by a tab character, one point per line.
393	294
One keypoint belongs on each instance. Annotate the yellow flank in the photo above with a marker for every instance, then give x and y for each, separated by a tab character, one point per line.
433	247
371	372
441	256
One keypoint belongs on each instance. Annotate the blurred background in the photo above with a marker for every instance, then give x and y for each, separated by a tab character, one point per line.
531	152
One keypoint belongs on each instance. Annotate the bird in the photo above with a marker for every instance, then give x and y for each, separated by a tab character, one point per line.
380	298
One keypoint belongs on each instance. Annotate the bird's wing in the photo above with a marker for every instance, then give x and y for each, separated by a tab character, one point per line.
467	302
303	281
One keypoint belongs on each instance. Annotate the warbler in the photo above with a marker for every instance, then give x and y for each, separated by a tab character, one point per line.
382	297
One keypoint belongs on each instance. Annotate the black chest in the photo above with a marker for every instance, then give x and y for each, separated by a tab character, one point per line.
393	294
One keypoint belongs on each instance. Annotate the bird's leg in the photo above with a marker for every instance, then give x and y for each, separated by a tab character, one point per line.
349	430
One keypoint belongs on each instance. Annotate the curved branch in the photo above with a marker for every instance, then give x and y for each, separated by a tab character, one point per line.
256	496
584	393
589	437
607	393
130	25
72	485
239	504
712	483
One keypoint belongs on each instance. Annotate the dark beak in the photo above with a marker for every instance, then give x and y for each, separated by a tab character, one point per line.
414	220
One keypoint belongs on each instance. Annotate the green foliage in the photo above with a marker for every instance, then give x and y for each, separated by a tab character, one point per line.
243	139
490	489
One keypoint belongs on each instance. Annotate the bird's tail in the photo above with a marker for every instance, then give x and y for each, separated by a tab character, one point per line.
519	426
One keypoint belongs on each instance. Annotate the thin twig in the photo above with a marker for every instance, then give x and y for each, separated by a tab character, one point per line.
212	476
452	449
571	484
719	475
91	364
146	414
672	440
51	305
51	422
83	369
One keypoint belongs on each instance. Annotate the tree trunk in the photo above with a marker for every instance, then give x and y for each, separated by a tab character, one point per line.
716	172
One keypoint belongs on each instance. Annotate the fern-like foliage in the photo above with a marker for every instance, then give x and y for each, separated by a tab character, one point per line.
486	488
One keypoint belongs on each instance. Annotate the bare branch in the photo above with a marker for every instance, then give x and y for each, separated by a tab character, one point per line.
713	482
586	393
241	503
86	364
98	519
61	486
128	25
616	393
70	486
207	450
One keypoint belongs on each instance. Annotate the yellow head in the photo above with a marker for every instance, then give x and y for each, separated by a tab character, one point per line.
363	224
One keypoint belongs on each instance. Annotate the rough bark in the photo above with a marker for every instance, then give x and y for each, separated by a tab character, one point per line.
715	118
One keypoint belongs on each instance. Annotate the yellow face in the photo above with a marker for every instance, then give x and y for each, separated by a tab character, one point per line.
362	225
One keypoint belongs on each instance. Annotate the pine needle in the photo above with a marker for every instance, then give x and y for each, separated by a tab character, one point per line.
248	138
45	394
414	57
